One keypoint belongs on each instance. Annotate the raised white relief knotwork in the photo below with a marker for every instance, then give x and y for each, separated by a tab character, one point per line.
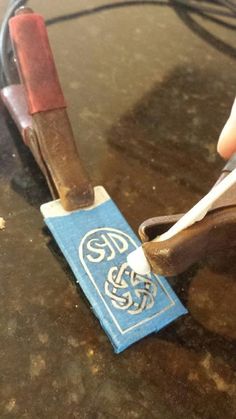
102	251
130	291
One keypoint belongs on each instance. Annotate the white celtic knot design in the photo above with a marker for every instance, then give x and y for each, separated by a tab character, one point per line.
130	291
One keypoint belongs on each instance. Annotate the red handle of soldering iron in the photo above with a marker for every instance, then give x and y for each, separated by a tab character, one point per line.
35	63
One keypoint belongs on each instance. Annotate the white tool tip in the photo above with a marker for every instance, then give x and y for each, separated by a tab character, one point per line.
138	262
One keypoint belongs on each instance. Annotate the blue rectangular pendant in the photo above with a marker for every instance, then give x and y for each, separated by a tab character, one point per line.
96	241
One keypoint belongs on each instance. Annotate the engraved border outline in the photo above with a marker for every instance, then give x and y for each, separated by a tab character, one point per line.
122	331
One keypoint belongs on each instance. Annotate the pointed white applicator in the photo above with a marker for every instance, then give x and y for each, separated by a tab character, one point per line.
137	259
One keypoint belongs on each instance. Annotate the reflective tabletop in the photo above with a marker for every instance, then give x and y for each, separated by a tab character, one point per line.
148	90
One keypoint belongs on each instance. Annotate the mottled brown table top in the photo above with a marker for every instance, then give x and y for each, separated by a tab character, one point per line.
148	92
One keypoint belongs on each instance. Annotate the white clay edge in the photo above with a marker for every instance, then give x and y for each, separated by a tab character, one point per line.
55	208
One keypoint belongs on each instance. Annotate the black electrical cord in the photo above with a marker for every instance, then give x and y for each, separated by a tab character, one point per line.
105	7
219	22
229	4
214	10
4	40
195	7
198	10
207	36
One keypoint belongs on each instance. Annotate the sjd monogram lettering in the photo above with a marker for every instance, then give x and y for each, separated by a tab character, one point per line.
105	247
